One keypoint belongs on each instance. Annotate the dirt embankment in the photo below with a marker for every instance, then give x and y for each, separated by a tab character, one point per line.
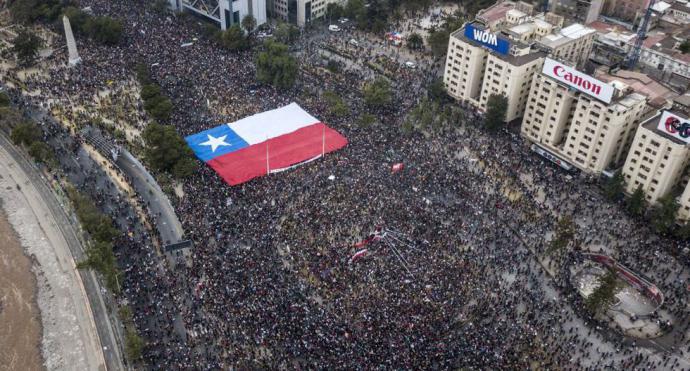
20	323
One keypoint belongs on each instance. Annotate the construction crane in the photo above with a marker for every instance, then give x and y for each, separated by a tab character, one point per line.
634	54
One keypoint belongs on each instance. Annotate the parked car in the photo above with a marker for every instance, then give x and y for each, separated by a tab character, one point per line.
410	64
334	28
354	42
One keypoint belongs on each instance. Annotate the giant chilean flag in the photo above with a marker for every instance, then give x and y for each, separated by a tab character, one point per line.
264	143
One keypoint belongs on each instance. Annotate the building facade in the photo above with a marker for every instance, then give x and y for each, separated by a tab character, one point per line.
502	60
224	12
474	71
582	120
301	12
656	162
583	11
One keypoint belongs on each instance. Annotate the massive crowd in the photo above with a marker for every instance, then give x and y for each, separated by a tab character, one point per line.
270	283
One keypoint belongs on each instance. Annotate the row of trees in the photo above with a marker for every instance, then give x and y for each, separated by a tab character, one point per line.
25	133
104	30
99	253
662	216
30	11
156	103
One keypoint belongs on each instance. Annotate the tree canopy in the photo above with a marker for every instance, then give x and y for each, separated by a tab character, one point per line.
496	108
664	215
249	23
275	66
378	93
25	47
167	151
613	188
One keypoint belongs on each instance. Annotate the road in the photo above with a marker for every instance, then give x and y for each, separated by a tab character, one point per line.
85	303
167	224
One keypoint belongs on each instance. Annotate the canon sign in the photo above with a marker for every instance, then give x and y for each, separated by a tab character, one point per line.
675	125
578	80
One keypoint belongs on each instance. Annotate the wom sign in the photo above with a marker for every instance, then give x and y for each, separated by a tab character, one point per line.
578	80
487	39
675	126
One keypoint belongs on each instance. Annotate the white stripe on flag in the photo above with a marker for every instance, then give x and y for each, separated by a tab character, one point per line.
271	124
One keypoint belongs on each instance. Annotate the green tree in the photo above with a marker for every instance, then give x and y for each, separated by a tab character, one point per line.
275	66
41	152
637	204
685	47
142	72
104	30
604	295
355	9
184	168
233	38
286	33
436	91
366	119
333	66
683	231
614	186
4	100
415	41
334	11
9	118
438	37
159	107
377	94
77	18
249	23
664	215
150	91
165	150
134	344
563	236
336	104
25	133
25	46
496	108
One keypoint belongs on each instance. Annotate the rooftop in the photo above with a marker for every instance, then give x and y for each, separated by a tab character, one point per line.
653	122
575	31
566	35
658	95
495	12
512	59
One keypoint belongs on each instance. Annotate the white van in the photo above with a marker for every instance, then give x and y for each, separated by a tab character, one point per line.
333	28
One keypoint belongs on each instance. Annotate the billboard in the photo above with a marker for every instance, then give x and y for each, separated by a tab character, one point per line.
675	126
487	39
578	80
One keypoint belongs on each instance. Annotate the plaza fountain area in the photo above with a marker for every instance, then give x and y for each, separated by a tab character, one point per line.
636	310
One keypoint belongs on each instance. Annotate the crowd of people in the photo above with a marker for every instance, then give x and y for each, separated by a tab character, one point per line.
270	281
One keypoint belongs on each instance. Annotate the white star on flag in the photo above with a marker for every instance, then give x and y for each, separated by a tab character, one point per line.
215	142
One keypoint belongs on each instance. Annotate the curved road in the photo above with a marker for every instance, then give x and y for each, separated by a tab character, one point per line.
96	331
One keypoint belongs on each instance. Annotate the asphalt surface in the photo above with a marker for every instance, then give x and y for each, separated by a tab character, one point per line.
167	224
106	331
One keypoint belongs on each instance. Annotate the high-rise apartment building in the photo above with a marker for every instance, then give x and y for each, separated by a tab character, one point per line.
300	12
503	49
584	121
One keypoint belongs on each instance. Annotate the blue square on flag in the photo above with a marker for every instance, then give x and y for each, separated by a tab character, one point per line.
215	142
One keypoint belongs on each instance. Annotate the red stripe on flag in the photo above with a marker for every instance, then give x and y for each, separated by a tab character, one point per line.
289	149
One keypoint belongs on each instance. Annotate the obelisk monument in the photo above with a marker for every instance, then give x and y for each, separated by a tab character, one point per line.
74	57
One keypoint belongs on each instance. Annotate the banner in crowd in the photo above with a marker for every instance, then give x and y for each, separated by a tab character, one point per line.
264	143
